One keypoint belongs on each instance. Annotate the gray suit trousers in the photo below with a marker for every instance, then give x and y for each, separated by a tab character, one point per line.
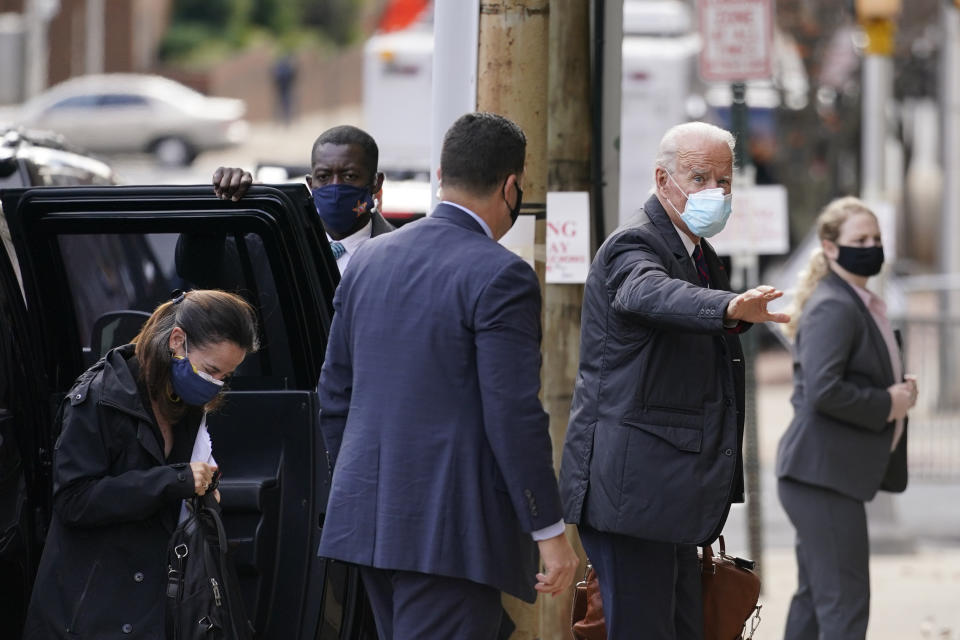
832	601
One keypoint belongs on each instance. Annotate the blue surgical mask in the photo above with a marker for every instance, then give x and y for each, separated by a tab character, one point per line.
194	387
706	212
340	205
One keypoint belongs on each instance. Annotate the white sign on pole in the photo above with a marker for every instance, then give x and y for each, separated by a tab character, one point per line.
737	40
520	239
568	237
759	223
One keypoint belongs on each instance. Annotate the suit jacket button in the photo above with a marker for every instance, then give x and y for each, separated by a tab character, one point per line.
138	576
181	477
127	628
528	493
728	452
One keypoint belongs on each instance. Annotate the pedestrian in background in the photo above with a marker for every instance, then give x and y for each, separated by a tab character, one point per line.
848	437
443	484
123	465
652	459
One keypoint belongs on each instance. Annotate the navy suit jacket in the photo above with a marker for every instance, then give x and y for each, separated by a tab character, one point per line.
439	445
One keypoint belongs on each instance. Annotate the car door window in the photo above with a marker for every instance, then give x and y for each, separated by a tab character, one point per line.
109	272
75	102
123	100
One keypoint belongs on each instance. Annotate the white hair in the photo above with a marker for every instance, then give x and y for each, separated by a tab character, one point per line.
701	131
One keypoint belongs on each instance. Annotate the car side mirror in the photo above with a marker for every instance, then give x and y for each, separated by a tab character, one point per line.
113	329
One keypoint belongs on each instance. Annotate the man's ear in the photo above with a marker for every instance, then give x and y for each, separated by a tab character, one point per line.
309	181
660	177
377	183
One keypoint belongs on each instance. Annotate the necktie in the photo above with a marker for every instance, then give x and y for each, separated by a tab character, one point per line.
337	248
701	263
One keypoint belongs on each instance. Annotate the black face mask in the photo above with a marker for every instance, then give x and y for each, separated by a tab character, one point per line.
515	210
862	261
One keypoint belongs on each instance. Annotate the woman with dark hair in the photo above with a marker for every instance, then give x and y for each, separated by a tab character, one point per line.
848	436
133	445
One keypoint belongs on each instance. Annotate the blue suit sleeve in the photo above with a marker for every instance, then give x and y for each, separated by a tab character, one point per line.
507	324
336	381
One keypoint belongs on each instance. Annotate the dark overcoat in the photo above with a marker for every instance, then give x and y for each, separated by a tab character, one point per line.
103	570
653	447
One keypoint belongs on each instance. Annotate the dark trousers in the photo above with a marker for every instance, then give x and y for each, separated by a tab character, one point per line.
409	606
832	601
650	590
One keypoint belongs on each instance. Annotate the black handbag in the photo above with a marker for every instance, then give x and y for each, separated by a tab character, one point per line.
203	593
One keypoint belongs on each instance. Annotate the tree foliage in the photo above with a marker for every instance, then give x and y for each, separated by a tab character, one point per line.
223	25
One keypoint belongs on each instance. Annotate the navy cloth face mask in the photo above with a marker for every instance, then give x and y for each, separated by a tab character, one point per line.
194	387
340	205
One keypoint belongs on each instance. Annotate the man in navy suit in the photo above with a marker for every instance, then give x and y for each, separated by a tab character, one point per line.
442	466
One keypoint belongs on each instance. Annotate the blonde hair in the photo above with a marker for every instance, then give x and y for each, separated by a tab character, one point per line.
829	222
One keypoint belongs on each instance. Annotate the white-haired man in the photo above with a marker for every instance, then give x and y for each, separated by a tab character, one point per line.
652	457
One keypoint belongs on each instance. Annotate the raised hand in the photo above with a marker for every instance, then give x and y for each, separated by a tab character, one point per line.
751	306
231	183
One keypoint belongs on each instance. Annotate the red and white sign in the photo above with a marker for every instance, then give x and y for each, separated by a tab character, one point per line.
568	236
737	40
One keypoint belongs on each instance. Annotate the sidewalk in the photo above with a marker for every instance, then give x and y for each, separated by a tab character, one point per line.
915	590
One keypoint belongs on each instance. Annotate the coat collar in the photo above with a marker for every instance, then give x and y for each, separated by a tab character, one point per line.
380	224
121	392
664	225
457	217
879	344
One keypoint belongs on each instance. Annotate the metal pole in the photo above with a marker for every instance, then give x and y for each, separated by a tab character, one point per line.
96	35
877	96
455	38
512	72
611	81
745	275
37	54
949	396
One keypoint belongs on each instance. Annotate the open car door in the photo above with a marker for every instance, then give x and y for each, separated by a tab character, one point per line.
95	261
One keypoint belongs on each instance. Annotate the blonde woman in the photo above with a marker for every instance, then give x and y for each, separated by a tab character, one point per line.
848	438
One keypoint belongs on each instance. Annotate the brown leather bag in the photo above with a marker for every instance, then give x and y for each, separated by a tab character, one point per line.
730	594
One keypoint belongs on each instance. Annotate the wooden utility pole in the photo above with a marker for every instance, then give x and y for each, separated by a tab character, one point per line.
568	169
512	71
515	63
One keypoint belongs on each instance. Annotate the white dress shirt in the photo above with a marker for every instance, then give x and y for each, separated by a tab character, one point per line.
351	243
202	452
486	227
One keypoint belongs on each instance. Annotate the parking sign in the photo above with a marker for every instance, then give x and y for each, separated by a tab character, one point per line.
737	40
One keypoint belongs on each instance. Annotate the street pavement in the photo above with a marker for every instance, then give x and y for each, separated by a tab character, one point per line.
915	537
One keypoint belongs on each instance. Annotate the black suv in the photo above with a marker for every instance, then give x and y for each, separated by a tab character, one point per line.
93	261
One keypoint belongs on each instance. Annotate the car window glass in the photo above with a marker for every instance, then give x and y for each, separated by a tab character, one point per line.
122	100
76	102
109	272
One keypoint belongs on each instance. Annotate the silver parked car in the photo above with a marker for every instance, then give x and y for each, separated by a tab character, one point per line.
118	113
